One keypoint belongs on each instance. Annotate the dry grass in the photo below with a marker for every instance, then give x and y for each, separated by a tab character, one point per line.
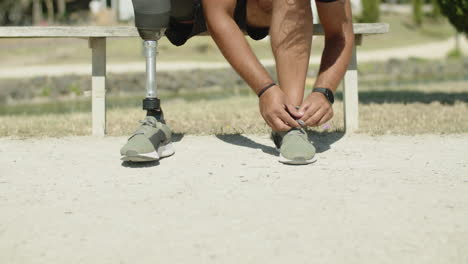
438	108
240	115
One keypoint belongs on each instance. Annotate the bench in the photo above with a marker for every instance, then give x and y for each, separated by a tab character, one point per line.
97	42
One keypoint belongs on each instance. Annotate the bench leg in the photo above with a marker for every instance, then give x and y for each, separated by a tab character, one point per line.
350	95
98	46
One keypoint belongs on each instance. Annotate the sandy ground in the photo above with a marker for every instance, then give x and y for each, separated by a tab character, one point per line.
387	199
433	50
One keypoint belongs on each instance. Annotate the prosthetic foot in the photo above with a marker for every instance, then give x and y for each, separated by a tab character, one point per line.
152	140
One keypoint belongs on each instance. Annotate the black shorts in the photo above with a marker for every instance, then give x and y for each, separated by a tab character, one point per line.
192	10
178	33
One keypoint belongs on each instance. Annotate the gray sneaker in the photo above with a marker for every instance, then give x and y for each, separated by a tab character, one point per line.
294	147
151	142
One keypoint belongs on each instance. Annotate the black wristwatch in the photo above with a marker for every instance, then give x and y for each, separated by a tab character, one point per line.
327	92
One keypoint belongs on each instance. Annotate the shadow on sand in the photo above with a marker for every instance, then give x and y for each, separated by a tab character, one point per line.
140	165
322	141
243	141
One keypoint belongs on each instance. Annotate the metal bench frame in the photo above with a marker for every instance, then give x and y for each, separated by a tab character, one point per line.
97	42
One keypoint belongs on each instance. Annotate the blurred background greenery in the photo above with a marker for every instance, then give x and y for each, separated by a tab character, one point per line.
402	95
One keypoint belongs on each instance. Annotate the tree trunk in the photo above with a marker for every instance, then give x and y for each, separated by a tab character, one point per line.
37	12
417	12
50	11
457	41
61	6
436	12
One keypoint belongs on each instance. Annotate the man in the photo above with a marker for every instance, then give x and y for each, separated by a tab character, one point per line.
283	107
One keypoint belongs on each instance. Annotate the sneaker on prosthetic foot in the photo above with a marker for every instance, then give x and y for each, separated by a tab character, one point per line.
151	142
294	147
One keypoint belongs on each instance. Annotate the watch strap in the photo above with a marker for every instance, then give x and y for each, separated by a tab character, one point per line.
326	92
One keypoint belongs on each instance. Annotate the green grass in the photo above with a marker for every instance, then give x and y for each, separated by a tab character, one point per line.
74	104
15	52
69	51
403	33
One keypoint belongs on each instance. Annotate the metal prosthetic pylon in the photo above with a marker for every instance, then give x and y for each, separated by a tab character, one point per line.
152	103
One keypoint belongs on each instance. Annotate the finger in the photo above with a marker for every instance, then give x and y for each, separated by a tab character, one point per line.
294	112
286	118
280	125
315	118
303	108
326	118
311	111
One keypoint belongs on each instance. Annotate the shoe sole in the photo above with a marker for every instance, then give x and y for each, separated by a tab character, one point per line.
286	161
162	152
296	161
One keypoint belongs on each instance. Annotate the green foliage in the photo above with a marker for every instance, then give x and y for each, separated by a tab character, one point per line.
75	89
457	13
455	54
417	12
46	91
370	11
436	12
13	12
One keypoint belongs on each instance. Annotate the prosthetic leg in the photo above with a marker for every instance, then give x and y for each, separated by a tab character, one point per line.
151	19
152	140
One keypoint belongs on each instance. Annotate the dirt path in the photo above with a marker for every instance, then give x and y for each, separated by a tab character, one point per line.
386	199
429	51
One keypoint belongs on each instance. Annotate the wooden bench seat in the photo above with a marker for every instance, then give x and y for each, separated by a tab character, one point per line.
97	41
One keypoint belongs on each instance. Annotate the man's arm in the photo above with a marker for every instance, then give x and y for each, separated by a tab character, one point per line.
291	41
232	43
337	22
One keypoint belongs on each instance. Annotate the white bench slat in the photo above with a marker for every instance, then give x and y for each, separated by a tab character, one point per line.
68	32
128	31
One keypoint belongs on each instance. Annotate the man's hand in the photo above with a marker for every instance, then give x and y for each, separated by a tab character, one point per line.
277	111
317	110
